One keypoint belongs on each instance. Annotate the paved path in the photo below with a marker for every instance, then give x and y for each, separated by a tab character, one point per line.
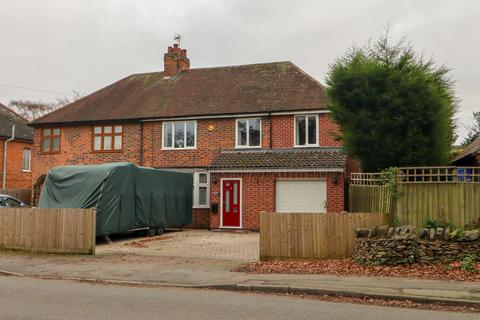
201	244
42	299
217	273
208	259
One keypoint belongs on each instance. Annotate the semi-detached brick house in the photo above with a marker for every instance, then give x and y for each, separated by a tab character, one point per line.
257	137
18	156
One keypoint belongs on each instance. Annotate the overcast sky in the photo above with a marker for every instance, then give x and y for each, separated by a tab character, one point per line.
83	45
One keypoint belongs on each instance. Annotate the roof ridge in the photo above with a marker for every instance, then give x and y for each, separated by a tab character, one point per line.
15	113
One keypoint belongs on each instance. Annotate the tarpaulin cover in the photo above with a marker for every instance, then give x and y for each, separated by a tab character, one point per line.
127	197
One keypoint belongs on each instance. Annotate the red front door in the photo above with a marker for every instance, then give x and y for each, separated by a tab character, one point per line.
231	203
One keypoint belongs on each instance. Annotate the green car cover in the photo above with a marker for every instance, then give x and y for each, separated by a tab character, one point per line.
126	196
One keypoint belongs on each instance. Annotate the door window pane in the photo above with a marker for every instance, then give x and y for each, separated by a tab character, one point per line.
227	201
254	132
118	143
190	133
167	135
242	132
107	143
235	193
300	130
202	196
202	178
179	135
97	143
312	130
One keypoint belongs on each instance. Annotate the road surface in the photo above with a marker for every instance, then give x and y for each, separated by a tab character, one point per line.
27	298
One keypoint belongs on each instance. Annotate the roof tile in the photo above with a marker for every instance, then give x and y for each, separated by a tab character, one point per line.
278	86
261	159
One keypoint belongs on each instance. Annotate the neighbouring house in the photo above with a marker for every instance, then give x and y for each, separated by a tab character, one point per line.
15	163
257	137
470	156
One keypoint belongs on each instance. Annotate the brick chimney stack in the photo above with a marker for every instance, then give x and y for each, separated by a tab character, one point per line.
175	60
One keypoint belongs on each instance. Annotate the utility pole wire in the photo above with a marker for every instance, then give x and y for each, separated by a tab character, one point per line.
33	89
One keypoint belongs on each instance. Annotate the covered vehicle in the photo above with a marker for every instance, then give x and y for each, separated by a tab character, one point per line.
127	197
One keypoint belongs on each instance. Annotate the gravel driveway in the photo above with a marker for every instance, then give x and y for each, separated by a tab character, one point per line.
200	244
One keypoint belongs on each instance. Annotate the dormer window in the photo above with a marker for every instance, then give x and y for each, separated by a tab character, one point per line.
248	133
306	131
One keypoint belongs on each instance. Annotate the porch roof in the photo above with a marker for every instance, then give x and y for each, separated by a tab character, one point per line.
301	159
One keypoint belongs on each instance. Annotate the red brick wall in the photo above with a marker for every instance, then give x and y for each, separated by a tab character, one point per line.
209	144
76	143
258	194
200	219
76	148
16	178
283	131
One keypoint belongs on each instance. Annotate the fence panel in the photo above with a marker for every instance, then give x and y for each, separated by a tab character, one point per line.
48	230
24	195
456	203
312	235
371	198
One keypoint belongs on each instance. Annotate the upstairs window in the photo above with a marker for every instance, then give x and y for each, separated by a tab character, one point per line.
306	131
27	154
249	133
107	138
201	190
179	135
50	140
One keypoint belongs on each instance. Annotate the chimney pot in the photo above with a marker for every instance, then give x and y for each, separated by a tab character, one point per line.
175	60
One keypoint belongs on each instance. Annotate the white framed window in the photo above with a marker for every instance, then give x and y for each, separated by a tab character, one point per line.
306	131
179	135
27	156
248	133
201	189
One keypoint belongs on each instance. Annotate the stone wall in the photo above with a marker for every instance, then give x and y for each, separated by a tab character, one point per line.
401	245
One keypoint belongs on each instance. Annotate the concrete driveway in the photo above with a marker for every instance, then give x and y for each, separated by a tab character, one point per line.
198	244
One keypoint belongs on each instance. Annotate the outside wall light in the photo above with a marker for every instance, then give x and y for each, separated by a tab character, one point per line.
335	179
214	179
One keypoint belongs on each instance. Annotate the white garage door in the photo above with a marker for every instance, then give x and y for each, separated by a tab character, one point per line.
301	195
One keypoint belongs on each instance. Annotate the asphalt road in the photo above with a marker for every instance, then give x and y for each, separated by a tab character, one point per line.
26	298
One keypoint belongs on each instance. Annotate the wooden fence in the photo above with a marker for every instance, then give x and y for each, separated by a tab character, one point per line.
312	235
371	198
24	195
446	194
48	230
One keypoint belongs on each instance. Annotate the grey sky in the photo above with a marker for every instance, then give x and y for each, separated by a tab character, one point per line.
84	45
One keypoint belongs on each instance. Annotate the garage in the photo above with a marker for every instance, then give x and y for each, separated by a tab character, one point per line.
301	195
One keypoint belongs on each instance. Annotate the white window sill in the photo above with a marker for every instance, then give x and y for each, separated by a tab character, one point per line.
307	146
26	171
201	207
187	148
248	147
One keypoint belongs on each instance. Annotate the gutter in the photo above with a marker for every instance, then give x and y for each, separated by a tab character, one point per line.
5	144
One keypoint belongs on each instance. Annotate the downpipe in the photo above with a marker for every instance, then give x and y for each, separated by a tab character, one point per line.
5	144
